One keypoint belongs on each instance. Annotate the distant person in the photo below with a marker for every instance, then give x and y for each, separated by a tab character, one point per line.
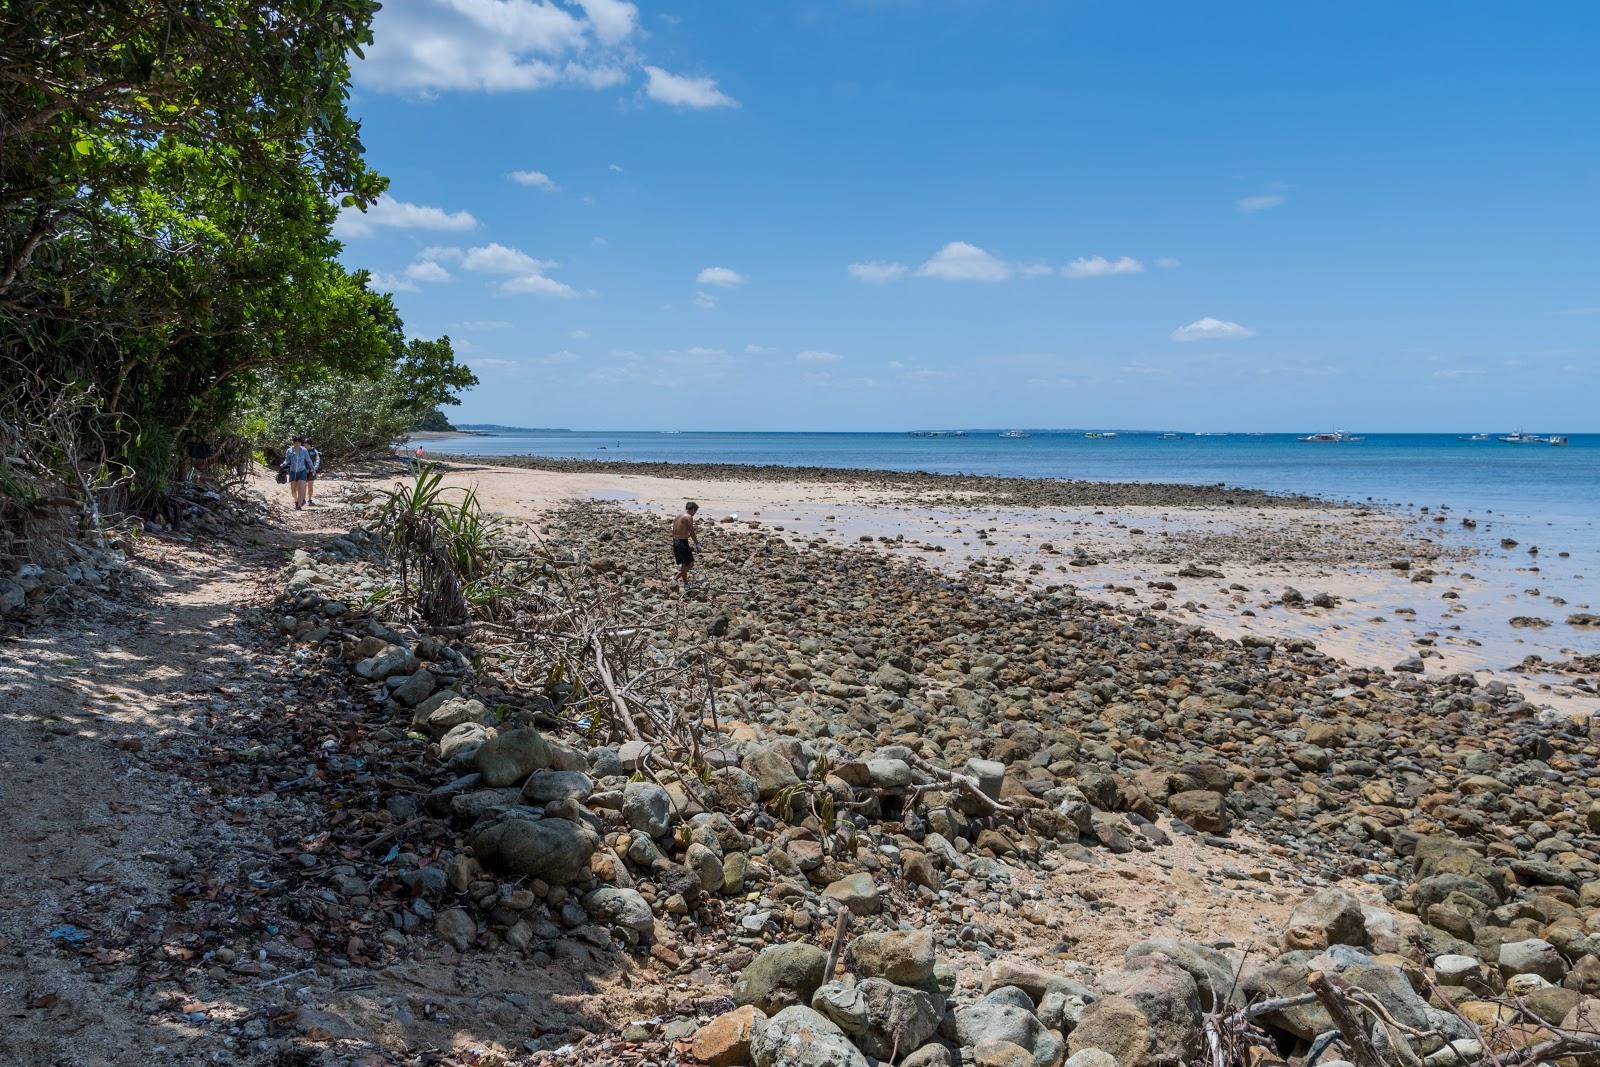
685	539
419	455
313	468
298	460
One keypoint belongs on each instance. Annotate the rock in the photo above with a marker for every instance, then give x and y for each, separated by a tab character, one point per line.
1453	970
414	689
622	908
989	775
782	976
450	713
1116	1027
857	892
1093	1057
931	1055
773	773
393	660
1034	981
993	1019
1202	809
1585	1018
1532	956
903	957
1168	998
1211	970
725	1040
1001	1054
800	1037
467	736
880	1016
647	807
706	866
456	926
545	787
1329	916
509	757
556	851
888	773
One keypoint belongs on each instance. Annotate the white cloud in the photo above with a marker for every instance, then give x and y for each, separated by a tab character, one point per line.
1251	204
483	324
960	261
429	46
874	272
1035	270
703	300
496	258
613	21
578	335
758	350
538	284
534	180
1210	329
680	90
1168	263
720	276
702	352
895	364
387	283
1100	266
426	270
812	356
615	168
389	213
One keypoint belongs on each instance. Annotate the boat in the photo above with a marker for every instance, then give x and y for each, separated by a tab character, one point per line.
1475	437
1169	436
1558	439
1520	438
1212	433
1335	437
1016	433
936	433
1106	436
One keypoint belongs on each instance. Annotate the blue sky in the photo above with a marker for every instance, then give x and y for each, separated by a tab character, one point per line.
926	213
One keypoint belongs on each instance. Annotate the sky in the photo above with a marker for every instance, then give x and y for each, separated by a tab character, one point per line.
905	214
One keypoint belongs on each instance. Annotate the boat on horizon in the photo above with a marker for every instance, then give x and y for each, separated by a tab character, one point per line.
1521	438
1475	437
1099	436
1169	436
1332	437
1016	433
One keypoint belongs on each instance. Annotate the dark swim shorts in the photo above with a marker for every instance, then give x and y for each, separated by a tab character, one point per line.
682	552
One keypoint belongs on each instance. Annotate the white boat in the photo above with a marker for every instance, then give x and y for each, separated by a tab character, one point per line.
1558	439
1016	433
1335	437
1520	438
1169	436
1106	436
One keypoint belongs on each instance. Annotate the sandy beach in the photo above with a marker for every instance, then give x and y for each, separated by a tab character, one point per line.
1377	587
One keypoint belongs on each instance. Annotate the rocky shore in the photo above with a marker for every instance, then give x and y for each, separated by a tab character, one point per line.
929	488
951	765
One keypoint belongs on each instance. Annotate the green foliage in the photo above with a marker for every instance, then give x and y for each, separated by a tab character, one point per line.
443	544
170	171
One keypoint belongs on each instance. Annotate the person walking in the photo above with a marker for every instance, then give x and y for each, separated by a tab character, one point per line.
298	460
313	468
685	539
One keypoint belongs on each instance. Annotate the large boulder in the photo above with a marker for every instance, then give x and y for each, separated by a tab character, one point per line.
771	770
782	976
1115	1027
625	909
556	851
881	1018
995	1018
1532	956
647	806
546	787
903	957
1211	970
509	757
1168	998
1330	916
857	892
800	1037
1202	809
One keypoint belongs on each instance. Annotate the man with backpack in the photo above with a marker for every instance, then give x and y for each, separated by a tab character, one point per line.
297	460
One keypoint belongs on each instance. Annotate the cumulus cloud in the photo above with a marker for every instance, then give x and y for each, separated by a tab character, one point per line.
703	300
612	21
758	350
959	261
426	270
538	284
534	179
875	273
681	90
379	282
1210	329
722	276
429	46
527	273
1100	266
1251	204
813	356
389	213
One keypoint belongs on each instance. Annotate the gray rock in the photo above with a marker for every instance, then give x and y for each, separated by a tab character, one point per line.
544	787
1454	970
468	735
1211	970
622	908
510	756
393	660
857	892
414	689
990	774
646	806
991	1020
903	957
554	850
879	1016
1090	1057
1115	1028
783	975
1533	956
888	773
451	713
773	773
1168	998
706	865
800	1037
1330	916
